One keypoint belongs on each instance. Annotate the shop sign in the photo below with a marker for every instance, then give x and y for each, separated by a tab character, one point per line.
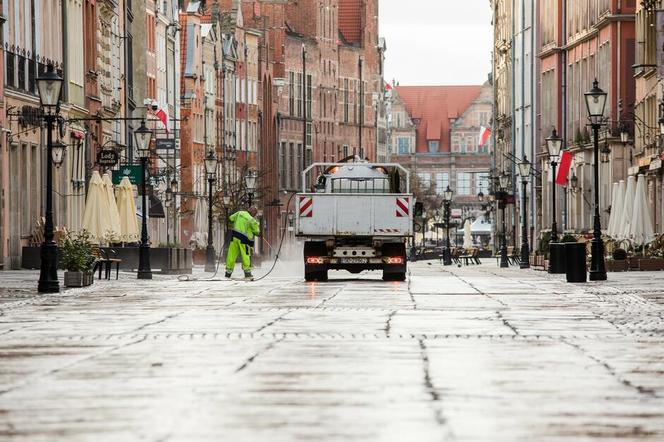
655	164
165	143
135	174
107	158
456	213
634	170
644	162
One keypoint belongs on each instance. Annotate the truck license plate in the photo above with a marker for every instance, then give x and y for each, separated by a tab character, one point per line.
354	260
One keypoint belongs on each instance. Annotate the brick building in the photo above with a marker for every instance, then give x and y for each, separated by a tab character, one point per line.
435	133
597	40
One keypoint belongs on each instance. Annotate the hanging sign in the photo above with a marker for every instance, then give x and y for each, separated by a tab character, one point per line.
107	158
655	164
165	143
135	174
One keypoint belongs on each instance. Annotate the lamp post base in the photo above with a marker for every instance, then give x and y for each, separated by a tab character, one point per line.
525	257
48	274
447	258
597	266
504	261
144	270
210	265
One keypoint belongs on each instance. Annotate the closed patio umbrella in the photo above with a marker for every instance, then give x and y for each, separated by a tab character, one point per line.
96	215
127	212
467	235
628	209
199	237
617	210
641	230
114	230
612	217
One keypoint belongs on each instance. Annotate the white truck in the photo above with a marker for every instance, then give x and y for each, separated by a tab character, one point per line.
355	218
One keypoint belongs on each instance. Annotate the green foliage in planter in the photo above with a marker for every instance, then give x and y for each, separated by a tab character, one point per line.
568	238
543	247
619	254
77	252
578	138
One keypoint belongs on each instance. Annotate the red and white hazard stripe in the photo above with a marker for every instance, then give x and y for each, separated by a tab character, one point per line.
403	209
306	207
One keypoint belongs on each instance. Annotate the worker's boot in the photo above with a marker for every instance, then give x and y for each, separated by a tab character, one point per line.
228	274
248	276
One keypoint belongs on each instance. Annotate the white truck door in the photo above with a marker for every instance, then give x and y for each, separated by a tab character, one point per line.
354	215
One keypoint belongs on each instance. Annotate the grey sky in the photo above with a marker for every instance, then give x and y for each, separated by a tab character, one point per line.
437	42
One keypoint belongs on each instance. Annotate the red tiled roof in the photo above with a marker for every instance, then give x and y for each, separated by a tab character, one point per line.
350	20
435	106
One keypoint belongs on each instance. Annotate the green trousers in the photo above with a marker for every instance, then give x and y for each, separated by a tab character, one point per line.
236	248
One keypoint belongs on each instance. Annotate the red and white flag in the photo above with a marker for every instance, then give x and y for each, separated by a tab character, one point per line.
564	166
485	133
162	114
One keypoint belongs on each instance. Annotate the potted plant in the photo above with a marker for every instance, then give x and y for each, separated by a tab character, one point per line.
77	259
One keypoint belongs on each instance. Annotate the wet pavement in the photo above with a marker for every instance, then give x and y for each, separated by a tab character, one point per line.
459	354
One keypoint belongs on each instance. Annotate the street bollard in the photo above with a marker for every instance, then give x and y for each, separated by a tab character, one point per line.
575	257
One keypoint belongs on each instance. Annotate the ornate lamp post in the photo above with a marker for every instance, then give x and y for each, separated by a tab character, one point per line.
524	171
504	182
250	183
596	102
49	86
447	201
211	170
554	144
143	137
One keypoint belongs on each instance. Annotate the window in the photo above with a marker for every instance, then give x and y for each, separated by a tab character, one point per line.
463	183
308	98
403	145
345	152
482	183
442	181
433	146
424	180
283	182
10	63
345	100
291	94
299	95
21	72
292	161
462	144
298	166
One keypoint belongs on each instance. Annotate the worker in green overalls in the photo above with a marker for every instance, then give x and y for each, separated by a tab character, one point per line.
245	228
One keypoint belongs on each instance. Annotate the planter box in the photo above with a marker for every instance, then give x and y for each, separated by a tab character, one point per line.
199	256
617	265
651	264
78	279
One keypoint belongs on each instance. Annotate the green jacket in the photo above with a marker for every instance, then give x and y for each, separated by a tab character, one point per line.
245	224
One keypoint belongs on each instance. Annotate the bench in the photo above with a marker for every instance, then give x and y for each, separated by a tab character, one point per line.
471	257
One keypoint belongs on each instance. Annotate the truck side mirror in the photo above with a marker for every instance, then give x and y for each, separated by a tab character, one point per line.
419	210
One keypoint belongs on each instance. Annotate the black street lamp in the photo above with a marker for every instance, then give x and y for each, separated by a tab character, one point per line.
250	183
447	201
596	102
504	182
554	145
524	170
211	170
49	86
143	137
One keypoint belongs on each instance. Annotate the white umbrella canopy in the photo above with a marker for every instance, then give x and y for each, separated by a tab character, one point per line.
127	211
641	229
467	235
114	230
628	209
96	215
617	210
612	217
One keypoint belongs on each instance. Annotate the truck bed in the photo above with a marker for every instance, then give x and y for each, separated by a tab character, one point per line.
355	214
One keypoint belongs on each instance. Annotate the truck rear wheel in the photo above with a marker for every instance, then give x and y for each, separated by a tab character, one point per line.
315	272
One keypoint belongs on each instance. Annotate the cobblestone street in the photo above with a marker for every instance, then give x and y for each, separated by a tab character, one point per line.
469	354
